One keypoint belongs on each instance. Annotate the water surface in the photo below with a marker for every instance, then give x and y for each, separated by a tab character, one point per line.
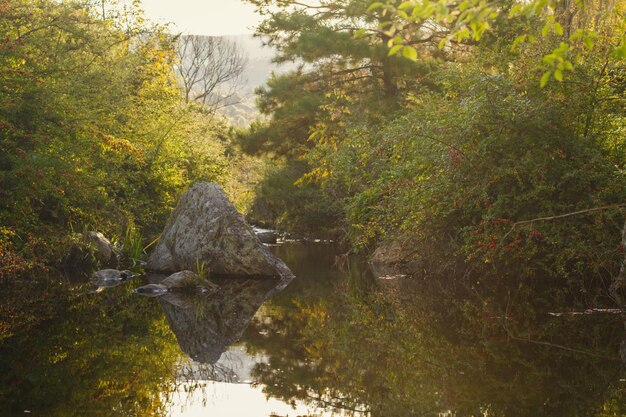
336	341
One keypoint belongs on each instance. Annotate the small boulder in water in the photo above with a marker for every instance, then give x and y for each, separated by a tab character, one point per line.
100	245
88	250
108	278
180	282
111	276
152	290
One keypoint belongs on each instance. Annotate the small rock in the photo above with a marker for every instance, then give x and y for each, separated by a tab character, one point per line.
152	290
266	235
189	279
112	275
180	282
102	248
109	278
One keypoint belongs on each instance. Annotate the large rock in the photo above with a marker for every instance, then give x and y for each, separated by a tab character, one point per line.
392	259
206	229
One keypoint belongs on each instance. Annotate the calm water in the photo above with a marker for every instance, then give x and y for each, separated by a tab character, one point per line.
335	341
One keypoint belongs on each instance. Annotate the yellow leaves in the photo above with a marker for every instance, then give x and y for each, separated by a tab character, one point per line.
316	312
121	146
375	6
397	45
57	357
360	33
516	11
405	6
395	49
6	232
545	78
558	75
410	53
471	19
316	175
558	63
558	29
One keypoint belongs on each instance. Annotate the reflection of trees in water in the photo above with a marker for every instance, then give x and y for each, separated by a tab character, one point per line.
192	381
108	354
398	348
196	372
111	354
406	350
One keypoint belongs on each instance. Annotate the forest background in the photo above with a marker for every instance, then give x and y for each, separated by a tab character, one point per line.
473	139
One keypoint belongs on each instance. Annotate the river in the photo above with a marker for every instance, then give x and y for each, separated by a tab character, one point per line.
335	341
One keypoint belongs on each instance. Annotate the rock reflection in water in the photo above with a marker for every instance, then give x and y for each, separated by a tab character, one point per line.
234	366
206	325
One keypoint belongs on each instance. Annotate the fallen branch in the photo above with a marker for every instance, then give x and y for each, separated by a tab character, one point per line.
560	216
589	311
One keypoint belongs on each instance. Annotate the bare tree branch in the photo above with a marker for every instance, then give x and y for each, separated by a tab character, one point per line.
209	69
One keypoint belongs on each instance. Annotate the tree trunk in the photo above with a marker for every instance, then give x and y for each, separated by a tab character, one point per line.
619	281
389	80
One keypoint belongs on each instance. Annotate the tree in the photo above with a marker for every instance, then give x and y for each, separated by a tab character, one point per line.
467	145
576	24
209	69
322	36
94	131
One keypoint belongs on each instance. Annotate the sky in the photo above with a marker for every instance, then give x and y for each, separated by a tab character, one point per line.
203	17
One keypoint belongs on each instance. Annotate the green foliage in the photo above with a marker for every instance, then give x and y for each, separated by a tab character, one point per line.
455	172
574	24
133	246
95	134
293	101
201	269
14	254
303	209
472	144
339	64
337	54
